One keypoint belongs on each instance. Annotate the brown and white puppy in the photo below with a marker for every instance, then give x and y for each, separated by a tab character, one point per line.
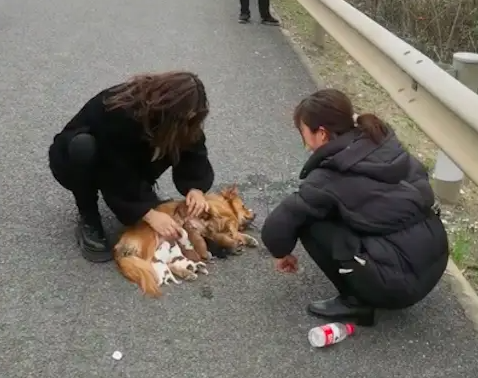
162	270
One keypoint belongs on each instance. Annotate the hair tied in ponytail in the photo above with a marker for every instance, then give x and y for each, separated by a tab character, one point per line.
372	126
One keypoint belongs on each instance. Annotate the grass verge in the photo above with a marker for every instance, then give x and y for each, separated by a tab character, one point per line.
339	70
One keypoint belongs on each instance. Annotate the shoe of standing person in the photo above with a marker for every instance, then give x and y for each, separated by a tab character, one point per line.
269	20
244	18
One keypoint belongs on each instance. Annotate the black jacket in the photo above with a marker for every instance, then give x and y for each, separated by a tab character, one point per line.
379	192
125	170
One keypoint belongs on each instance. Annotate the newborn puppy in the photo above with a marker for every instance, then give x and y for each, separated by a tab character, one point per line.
163	273
187	247
183	267
161	255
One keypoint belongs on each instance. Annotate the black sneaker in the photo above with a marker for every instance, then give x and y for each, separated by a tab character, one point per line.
244	18
269	20
92	241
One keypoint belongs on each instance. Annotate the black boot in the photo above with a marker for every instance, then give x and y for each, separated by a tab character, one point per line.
342	308
91	239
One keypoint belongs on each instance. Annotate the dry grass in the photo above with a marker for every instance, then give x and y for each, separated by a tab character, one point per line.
339	70
438	28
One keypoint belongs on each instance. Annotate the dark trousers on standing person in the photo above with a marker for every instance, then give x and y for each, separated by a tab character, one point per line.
360	283
264	11
75	170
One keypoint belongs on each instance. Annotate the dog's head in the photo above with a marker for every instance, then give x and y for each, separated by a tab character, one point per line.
244	215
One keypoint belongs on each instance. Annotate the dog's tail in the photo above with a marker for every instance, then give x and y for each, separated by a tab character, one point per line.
138	271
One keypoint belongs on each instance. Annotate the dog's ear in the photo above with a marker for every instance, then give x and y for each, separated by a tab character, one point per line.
230	192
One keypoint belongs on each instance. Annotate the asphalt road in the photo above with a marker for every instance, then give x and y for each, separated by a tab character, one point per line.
63	317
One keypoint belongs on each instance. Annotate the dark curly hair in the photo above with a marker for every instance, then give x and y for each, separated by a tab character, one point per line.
171	106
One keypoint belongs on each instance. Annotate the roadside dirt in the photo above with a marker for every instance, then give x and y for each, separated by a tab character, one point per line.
339	70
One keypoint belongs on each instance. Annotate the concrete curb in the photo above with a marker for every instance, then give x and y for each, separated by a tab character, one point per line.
462	289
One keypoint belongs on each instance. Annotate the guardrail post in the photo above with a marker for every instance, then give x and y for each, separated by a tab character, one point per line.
447	177
319	35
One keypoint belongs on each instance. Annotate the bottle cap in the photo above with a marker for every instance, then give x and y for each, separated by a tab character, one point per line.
350	329
314	338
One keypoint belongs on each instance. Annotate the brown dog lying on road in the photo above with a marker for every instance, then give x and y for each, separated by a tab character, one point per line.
227	217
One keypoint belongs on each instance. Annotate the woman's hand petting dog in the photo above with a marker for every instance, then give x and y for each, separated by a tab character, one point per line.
196	203
288	264
163	224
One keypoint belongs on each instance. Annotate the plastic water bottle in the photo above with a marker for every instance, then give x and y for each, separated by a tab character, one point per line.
329	334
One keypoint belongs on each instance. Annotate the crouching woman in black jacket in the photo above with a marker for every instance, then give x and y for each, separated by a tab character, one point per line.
363	212
121	141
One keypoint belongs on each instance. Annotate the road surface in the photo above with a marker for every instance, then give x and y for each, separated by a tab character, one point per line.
63	317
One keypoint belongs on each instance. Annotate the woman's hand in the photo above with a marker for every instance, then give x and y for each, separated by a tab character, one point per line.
288	264
196	203
163	224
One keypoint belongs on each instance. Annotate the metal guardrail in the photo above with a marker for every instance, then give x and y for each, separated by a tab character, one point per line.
445	109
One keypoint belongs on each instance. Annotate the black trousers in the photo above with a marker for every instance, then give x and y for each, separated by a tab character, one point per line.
264	7
74	167
364	283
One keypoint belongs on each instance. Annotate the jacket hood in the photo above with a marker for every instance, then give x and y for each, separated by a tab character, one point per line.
354	153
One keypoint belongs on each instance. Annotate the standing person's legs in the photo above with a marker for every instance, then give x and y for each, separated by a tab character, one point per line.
245	14
264	11
318	240
75	170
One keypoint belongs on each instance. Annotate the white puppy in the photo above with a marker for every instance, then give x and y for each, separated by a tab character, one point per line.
177	264
182	262
161	266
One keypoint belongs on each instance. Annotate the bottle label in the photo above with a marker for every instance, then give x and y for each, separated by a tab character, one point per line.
331	333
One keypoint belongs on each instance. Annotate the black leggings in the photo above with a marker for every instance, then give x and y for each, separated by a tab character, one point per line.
75	170
263	7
